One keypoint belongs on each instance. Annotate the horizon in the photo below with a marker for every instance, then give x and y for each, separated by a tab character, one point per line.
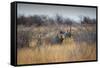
70	12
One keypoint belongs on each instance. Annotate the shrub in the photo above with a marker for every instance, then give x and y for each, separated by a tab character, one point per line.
87	37
23	38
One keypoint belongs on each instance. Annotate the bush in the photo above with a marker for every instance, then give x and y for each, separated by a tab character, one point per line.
87	37
23	38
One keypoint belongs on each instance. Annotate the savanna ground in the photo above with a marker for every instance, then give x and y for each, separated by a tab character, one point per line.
74	48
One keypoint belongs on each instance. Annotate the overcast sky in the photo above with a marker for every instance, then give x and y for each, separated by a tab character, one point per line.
65	11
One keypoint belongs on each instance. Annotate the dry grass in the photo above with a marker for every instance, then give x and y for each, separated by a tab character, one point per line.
68	51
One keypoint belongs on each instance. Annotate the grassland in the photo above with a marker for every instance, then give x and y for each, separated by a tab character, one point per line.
69	50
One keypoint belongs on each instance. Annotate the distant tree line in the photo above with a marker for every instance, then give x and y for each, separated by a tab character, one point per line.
87	20
39	20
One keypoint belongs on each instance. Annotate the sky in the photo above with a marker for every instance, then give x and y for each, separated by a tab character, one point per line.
71	12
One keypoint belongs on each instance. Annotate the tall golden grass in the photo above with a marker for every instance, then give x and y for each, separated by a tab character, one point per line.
66	52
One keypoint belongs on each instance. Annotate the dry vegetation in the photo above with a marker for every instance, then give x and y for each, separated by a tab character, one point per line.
74	48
